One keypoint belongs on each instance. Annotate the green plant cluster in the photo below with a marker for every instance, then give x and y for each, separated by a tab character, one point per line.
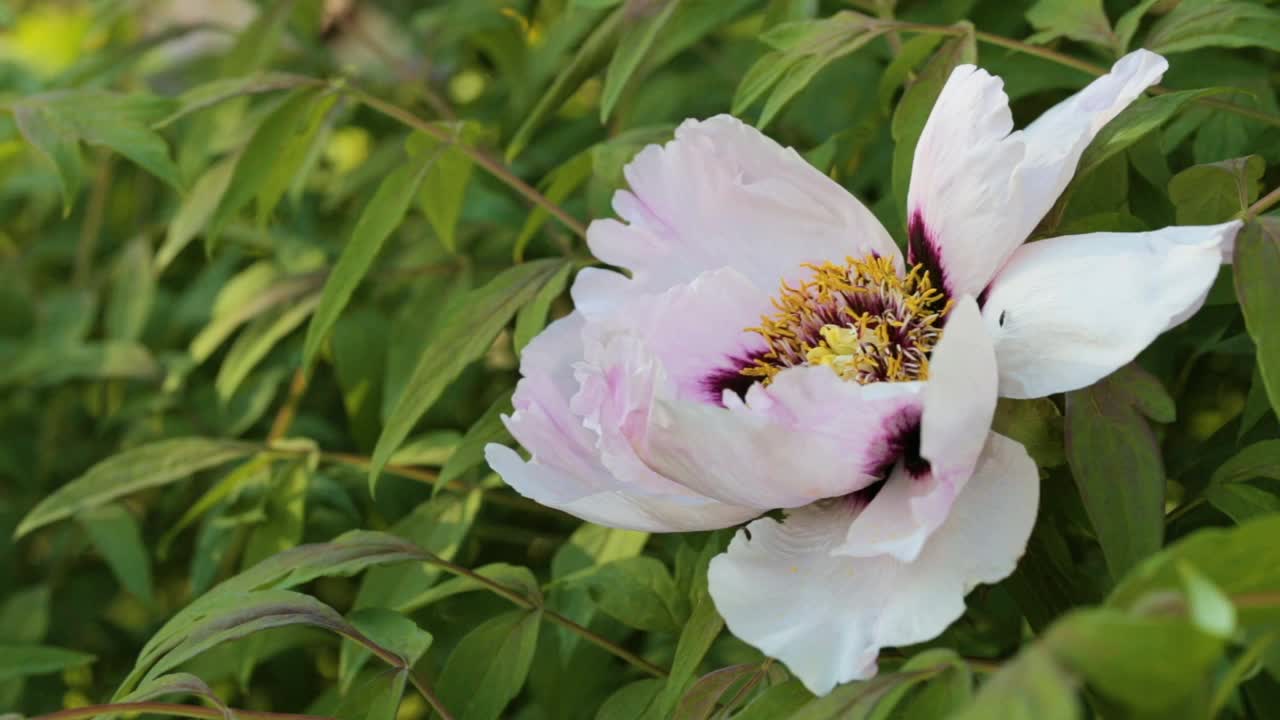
266	271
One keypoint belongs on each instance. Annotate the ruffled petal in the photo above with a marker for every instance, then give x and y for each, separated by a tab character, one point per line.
959	401
978	189
781	588
724	195
808	435
1067	311
583	462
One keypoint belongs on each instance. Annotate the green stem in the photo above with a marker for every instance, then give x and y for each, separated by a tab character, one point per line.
549	615
172	709
493	167
1262	205
403	665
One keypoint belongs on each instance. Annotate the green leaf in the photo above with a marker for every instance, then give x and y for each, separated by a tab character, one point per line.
265	166
1257	265
216	91
283	514
532	318
22	660
1082	20
1259	460
700	701
917	102
383	214
779	701
1133	123
638	592
438	526
1037	424
196	210
643	28
519	580
256	341
1127	25
631	701
1194	25
115	534
1031	687
559	183
130	471
390	630
470	451
589	58
1215	193
448	171
461	338
1242	502
1118	470
55	140
489	666
133	289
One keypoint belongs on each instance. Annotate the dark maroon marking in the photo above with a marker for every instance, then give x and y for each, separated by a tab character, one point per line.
922	249
914	464
730	378
863	497
899	440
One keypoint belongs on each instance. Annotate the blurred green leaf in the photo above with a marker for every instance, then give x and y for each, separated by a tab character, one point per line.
130	471
470	451
1257	265
532	318
1214	193
116	535
21	660
447	172
645	22
1082	20
1198	24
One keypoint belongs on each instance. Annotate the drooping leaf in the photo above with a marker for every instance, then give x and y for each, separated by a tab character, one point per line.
130	471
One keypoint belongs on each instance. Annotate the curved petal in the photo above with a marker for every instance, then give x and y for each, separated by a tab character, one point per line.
1057	139
978	190
603	500
958	205
809	435
1067	311
724	195
584	465
959	401
780	587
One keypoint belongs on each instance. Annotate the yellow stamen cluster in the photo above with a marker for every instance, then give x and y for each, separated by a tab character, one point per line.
862	319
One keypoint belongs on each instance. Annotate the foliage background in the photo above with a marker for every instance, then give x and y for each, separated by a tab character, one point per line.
249	254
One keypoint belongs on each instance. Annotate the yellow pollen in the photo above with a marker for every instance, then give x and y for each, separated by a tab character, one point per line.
861	319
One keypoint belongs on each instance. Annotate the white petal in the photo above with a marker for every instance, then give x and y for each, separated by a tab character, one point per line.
604	501
959	401
1057	139
780	588
1067	311
724	195
808	435
978	190
962	190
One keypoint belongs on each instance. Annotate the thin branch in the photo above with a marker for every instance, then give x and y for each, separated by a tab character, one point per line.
493	167
177	709
289	410
549	615
1262	205
402	664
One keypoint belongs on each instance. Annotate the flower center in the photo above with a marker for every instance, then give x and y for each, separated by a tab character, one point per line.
861	319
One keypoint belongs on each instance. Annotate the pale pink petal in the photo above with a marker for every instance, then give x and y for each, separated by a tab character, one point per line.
809	435
781	588
724	195
603	500
1067	311
978	189
959	401
586	465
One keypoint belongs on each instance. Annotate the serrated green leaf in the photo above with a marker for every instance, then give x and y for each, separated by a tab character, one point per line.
130	471
460	339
